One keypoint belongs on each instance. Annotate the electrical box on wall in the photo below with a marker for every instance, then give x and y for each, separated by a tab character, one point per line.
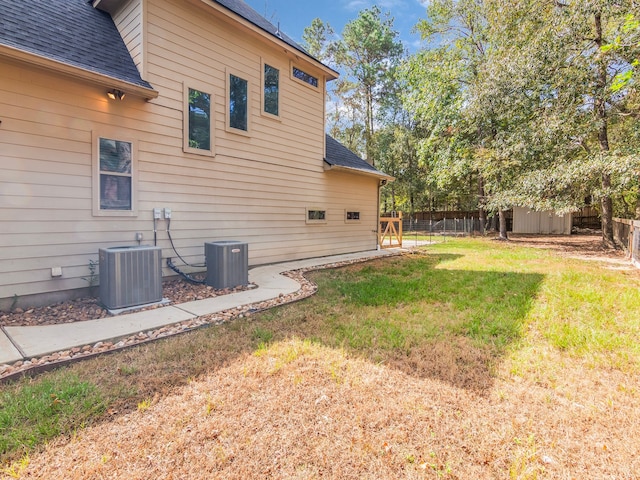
157	213
167	213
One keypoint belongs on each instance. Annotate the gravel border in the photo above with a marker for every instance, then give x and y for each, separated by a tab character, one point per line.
37	365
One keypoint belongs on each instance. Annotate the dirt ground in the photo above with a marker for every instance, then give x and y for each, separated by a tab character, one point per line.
579	246
298	410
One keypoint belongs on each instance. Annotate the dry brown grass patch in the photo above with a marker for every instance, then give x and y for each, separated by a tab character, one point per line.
275	397
299	410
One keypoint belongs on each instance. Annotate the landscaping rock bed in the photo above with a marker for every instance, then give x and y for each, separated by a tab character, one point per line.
177	291
89	308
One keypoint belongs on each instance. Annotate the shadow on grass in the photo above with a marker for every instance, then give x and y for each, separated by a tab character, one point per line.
411	313
414	314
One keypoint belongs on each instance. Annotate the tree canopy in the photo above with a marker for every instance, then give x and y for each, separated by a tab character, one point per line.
509	103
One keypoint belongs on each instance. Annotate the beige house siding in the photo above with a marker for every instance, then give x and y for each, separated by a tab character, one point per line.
129	20
256	189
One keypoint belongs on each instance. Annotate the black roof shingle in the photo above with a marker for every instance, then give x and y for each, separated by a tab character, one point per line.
248	13
71	32
75	33
340	156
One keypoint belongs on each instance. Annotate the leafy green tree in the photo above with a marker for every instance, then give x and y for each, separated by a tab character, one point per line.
317	39
460	126
368	53
571	107
527	96
628	43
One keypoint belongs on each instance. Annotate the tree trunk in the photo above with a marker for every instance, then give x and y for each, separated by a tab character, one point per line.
607	214
368	127
502	217
482	214
600	107
393	197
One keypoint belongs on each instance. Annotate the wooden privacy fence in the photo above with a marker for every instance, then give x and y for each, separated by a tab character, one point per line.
626	234
390	234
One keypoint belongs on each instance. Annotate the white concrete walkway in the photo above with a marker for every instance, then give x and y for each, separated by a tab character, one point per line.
20	343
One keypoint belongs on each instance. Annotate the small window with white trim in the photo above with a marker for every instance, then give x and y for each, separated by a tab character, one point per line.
302	76
352	216
316	215
114	178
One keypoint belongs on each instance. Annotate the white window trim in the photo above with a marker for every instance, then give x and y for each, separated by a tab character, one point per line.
315	222
264	113
96	135
227	102
302	82
185	119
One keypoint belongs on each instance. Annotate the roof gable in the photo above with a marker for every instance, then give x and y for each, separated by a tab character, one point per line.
239	7
74	33
248	13
71	32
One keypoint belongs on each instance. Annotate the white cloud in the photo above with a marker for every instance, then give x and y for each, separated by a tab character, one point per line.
356	5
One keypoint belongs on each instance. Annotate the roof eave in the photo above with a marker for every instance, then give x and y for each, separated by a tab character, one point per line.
76	72
329	72
360	171
109	6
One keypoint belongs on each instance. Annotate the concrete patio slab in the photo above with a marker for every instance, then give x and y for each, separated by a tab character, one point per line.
37	341
8	352
270	285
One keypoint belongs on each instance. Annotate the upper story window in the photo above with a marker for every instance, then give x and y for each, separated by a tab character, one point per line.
271	81
114	178
238	92
305	77
198	122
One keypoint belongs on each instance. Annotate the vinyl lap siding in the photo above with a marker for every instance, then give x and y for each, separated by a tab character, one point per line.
129	21
256	189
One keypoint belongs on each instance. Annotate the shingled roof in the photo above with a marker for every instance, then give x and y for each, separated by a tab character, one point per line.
340	157
71	32
74	33
248	13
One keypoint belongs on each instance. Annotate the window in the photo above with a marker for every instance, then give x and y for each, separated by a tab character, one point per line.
114	178
198	122
316	215
305	77
238	103
351	216
271	82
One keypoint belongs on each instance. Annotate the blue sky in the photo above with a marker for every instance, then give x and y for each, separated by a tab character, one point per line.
295	15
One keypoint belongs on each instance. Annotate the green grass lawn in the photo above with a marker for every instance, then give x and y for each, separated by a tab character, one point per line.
457	311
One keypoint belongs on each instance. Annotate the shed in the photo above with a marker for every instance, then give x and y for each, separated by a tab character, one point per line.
546	222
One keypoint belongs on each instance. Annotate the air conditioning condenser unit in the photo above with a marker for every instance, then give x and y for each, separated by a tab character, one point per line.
227	263
130	276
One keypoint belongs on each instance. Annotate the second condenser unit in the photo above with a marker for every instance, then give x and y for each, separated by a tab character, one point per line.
227	263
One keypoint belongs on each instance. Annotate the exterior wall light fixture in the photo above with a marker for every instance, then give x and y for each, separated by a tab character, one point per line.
113	94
